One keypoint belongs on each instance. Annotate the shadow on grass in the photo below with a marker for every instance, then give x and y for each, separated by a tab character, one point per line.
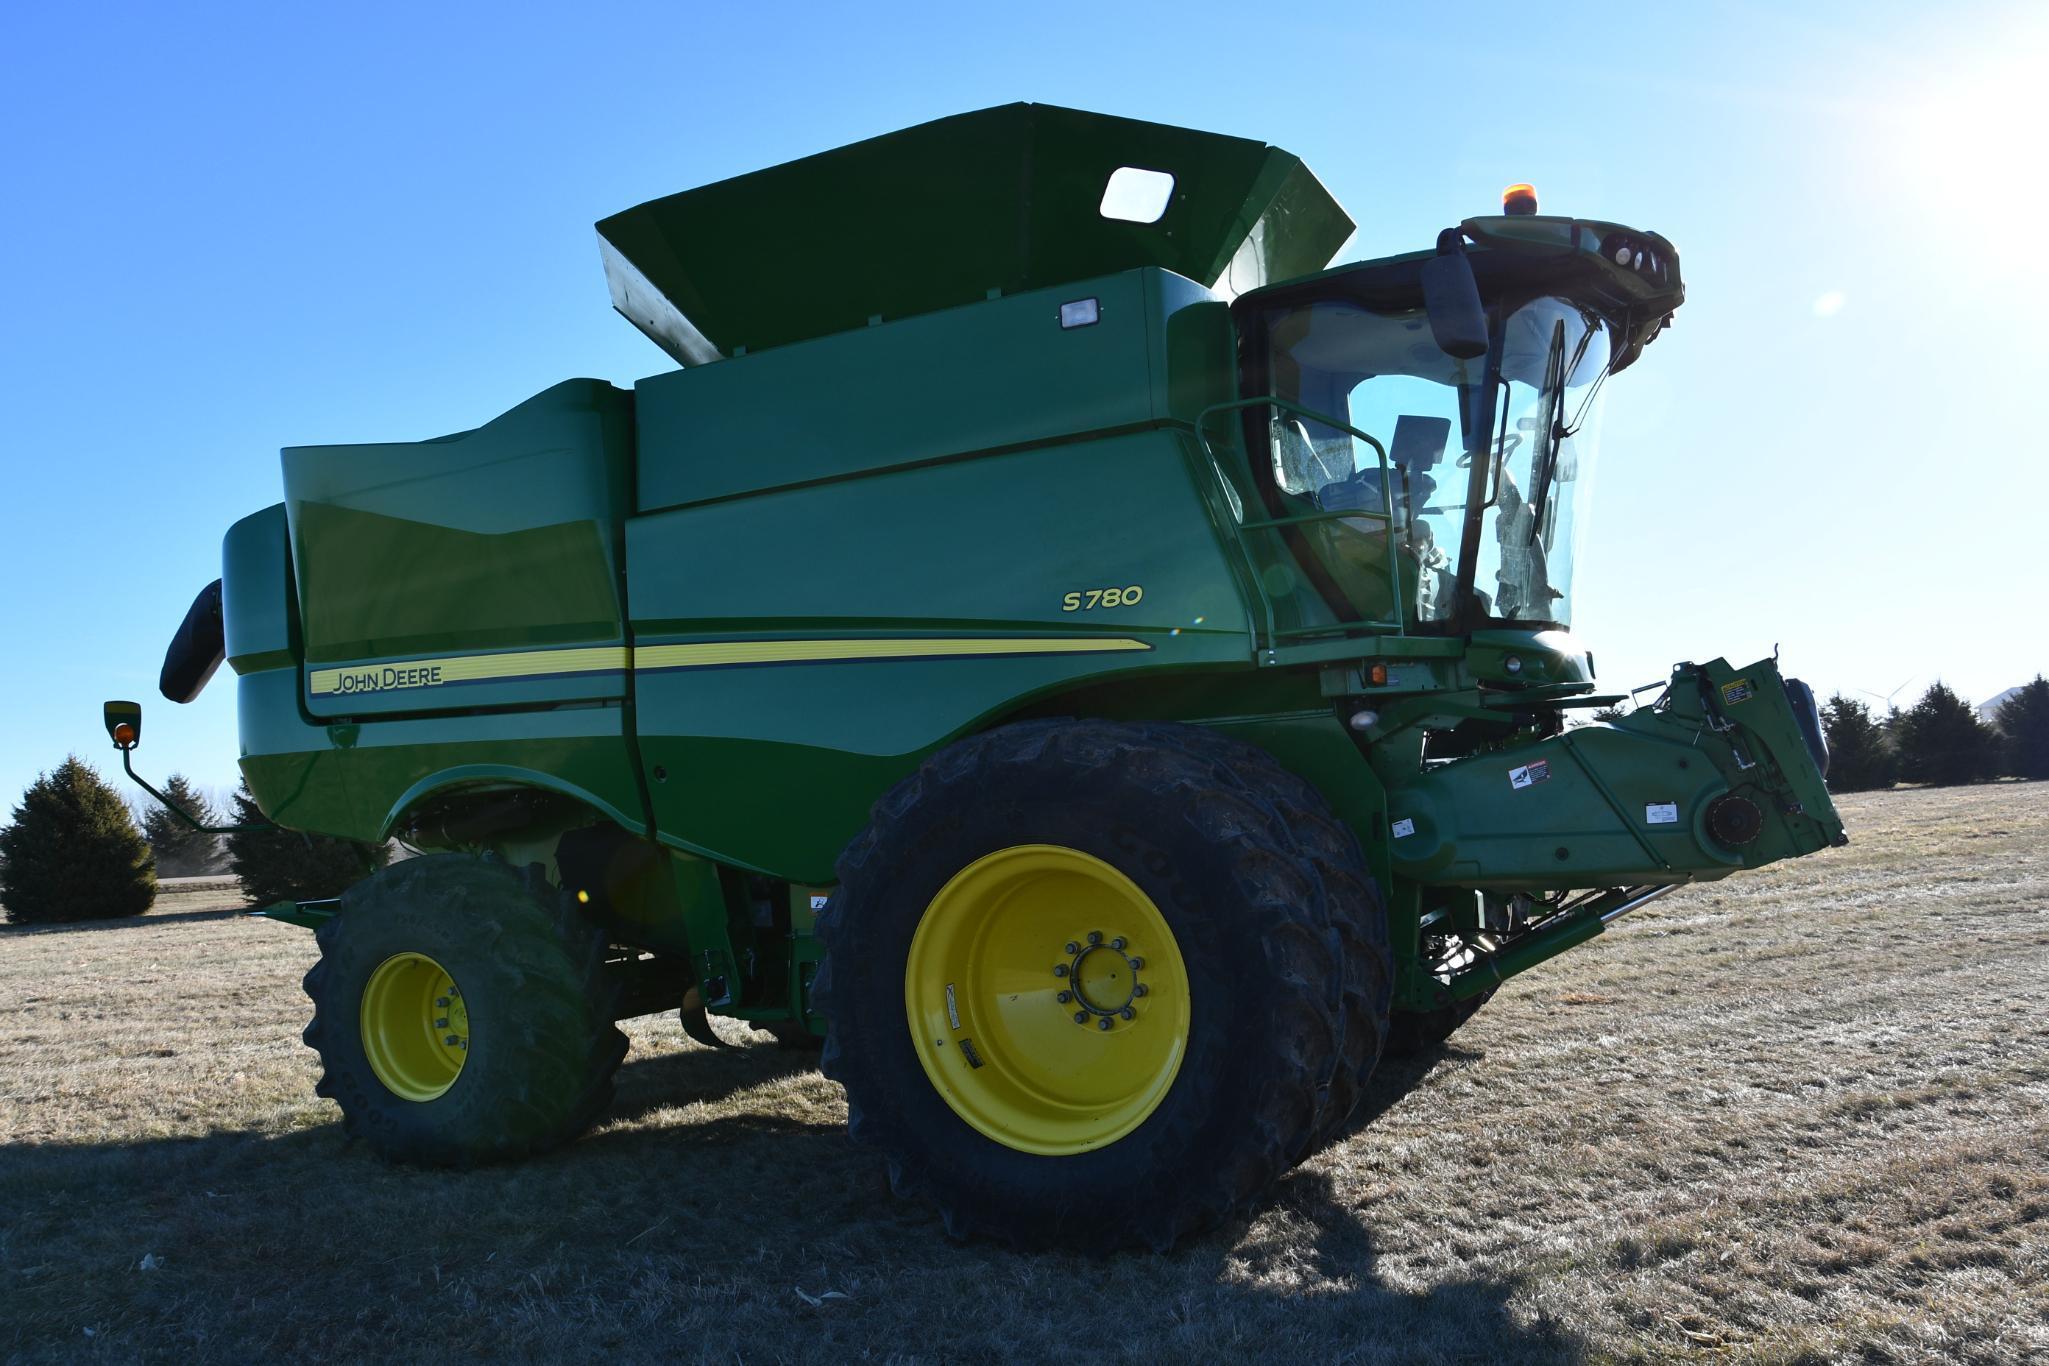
700	1076
125	922
705	1217
1395	1078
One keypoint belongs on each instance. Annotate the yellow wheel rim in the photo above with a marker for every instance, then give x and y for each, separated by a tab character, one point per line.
1047	999
416	1028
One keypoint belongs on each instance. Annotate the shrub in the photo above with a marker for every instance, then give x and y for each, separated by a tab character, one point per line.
1860	753
181	851
285	865
73	853
2023	722
1940	740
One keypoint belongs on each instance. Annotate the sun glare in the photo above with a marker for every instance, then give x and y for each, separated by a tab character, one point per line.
1969	147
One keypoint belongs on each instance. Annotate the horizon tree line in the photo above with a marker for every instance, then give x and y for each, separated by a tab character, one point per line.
1940	741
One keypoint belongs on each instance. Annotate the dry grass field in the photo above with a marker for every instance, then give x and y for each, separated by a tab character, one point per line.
1795	1117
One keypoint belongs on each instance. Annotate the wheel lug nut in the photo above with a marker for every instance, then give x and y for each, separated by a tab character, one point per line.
1064	997
1137	963
1081	1017
1118	942
1060	969
1073	947
1095	937
1140	989
1128	1013
452	1041
1103	1023
441	1024
441	1001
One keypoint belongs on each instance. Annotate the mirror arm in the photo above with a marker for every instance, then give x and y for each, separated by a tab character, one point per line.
180	812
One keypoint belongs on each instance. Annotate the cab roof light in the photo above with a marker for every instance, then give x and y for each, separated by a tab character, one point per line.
1519	199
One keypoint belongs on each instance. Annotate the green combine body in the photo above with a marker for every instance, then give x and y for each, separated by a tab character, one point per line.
1007	562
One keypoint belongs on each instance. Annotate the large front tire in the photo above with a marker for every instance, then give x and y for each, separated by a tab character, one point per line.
462	1013
1084	986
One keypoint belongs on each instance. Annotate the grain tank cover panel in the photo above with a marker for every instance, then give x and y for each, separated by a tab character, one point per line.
499	544
1002	200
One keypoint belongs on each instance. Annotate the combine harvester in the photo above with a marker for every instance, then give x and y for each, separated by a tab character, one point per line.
1109	665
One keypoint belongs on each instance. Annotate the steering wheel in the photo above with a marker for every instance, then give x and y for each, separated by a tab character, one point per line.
1509	442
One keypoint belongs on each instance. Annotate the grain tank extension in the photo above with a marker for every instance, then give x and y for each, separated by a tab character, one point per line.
1100	669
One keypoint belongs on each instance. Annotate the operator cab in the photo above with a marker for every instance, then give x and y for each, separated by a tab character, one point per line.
1471	518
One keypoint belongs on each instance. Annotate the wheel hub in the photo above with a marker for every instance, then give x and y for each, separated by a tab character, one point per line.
1105	979
415	1026
996	1032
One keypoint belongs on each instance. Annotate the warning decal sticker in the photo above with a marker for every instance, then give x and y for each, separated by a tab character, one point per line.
1739	691
1661	813
1529	775
1404	828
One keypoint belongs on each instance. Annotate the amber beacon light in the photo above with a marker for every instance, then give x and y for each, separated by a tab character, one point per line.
1519	199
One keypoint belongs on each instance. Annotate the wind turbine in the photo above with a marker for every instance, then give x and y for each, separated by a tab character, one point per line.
1887	699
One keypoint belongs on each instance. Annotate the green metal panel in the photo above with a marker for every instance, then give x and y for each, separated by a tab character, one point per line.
1475	827
1000	542
307	915
775	768
997	374
1541	657
1618	804
500	538
1194	365
256	601
773	764
294	771
355	780
950	212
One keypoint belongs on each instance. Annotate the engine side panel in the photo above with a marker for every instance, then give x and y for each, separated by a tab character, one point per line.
774	707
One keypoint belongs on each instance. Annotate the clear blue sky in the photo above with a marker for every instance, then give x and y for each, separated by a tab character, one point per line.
232	229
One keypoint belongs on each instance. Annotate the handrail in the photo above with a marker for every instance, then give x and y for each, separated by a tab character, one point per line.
1386	517
1320	515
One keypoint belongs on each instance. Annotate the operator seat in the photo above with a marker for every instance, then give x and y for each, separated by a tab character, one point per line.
1417	447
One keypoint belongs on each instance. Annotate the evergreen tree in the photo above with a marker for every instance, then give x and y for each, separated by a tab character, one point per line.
2023	722
73	853
1940	740
285	865
1860	753
181	851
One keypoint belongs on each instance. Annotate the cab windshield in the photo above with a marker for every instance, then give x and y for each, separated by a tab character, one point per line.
1488	460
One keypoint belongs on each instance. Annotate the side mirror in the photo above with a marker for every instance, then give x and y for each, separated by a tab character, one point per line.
1452	299
124	723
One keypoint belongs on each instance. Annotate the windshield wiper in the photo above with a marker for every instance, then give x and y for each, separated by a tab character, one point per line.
1554	431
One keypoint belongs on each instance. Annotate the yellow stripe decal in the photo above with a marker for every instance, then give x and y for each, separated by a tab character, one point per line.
714	653
433	673
525	664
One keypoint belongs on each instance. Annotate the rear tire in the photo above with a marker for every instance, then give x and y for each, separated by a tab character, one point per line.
531	1006
1180	823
